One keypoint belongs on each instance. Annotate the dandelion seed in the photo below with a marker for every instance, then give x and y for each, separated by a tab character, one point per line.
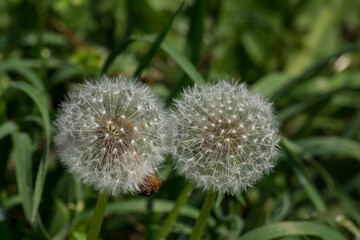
100	141
223	152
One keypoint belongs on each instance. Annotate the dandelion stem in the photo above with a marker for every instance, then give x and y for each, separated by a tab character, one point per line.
98	216
204	214
169	221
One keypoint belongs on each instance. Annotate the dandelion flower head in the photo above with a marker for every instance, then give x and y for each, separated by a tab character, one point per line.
226	138
110	134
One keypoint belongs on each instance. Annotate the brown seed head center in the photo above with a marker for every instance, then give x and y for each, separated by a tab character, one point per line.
114	135
223	135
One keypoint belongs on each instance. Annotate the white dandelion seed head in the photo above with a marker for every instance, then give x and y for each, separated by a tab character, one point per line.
225	137
110	134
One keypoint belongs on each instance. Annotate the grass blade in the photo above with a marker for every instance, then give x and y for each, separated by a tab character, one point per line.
295	108
192	46
195	35
7	128
315	40
232	217
40	101
286	229
179	58
349	225
287	86
23	160
329	146
156	44
351	206
39	183
60	217
309	187
270	84
19	68
140	206
352	129
119	49
64	74
344	198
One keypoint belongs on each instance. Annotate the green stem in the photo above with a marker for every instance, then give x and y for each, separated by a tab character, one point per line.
169	221
98	216
204	214
42	11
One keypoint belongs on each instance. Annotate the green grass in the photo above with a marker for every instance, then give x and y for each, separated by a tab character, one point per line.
302	55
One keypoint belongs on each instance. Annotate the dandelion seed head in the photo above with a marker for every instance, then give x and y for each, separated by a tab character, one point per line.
225	137
105	139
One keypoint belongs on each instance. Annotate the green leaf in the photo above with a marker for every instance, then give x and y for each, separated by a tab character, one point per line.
335	188
316	41
7	128
114	53
236	221
11	201
254	47
179	58
140	206
37	63
193	46
303	178
27	73
60	217
319	85
329	146
349	225
350	206
286	229
23	162
293	109
306	74
41	102
354	126
195	34
268	85
65	73
39	183
146	17
156	44
283	210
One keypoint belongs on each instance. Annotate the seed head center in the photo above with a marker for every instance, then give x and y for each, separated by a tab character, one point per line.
223	136
114	135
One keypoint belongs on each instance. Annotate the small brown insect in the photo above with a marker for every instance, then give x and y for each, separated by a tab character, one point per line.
150	186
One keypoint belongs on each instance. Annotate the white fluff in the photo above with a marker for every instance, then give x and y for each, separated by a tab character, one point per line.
110	134
225	137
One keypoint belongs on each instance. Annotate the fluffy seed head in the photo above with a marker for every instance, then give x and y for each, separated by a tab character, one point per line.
225	137
110	134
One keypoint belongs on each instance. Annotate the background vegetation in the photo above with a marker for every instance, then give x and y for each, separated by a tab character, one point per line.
304	55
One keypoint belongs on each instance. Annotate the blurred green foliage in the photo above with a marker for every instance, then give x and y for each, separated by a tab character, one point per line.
304	55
